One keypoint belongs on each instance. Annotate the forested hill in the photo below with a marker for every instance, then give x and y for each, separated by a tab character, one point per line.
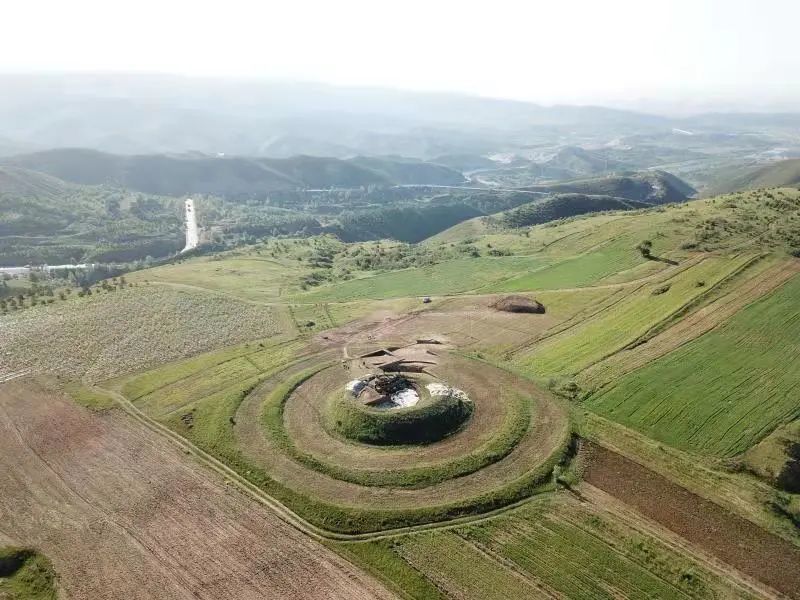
562	206
652	187
229	176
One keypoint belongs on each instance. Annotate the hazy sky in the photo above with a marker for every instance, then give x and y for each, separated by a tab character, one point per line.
575	51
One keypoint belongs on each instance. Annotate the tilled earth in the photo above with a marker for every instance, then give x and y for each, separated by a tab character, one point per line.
123	514
734	540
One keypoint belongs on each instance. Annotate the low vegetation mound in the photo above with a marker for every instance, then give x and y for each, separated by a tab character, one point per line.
518	304
26	575
378	420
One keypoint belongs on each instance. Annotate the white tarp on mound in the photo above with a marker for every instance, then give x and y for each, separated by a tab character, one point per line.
440	389
355	386
405	398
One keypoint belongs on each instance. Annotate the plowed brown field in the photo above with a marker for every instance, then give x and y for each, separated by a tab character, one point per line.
122	514
734	540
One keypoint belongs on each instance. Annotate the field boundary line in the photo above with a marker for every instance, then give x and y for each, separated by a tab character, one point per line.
647	526
511	566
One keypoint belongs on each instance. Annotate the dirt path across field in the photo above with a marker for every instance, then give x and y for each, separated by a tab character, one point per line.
123	514
736	541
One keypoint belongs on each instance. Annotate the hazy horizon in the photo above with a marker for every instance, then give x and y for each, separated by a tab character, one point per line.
666	58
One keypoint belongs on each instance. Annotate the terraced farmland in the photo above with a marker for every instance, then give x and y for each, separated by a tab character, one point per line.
549	548
622	323
723	392
579	271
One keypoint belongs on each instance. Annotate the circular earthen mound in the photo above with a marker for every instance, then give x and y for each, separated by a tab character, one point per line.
426	462
518	304
430	420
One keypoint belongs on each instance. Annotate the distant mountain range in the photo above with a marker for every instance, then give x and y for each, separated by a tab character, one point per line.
177	175
154	114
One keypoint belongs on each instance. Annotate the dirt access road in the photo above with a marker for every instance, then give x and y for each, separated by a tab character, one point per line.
123	514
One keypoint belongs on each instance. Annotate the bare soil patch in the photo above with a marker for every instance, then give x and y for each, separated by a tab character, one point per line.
123	514
736	541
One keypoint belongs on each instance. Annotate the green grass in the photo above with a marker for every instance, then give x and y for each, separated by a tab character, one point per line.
208	420
309	318
772	457
154	379
425	423
382	560
344	519
723	392
624	322
249	277
451	277
26	575
579	271
172	387
91	398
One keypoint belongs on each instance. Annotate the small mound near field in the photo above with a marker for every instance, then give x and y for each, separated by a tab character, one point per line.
381	420
518	304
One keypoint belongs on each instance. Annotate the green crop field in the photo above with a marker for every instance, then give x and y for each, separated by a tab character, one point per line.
723	392
625	321
579	271
546	548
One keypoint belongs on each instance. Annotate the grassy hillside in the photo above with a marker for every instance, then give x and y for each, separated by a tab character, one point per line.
227	176
784	173
579	162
